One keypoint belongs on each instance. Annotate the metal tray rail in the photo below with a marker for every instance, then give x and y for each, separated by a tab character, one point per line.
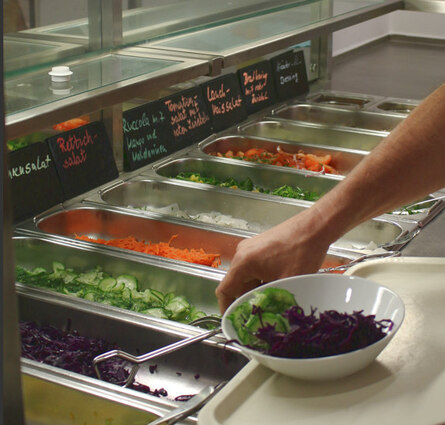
343	160
282	130
263	213
319	115
180	373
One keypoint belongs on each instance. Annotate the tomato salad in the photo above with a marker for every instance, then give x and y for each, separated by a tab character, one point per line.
299	160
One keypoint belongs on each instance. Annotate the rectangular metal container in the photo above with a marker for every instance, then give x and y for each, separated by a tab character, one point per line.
343	160
304	133
342	99
329	116
260	213
266	177
56	398
183	372
396	106
100	222
196	285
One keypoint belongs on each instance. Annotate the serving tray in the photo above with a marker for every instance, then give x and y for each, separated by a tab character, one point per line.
405	384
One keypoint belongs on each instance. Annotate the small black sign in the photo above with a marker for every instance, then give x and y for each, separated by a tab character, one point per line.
290	74
224	101
34	183
84	158
257	86
188	116
147	134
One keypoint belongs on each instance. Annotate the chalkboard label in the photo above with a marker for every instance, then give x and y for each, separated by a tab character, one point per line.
83	158
33	179
147	135
257	86
290	74
188	116
224	101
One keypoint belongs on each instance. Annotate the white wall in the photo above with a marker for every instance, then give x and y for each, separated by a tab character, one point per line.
400	22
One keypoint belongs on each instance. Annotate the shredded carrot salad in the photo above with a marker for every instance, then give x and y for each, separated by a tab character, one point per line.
71	124
300	160
162	249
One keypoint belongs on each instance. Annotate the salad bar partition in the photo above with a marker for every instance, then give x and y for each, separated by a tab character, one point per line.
136	261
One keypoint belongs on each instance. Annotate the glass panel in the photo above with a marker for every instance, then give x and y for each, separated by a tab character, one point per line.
236	34
46	31
22	53
24	47
153	19
36	88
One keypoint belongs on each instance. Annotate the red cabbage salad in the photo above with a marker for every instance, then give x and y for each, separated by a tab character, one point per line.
67	349
273	323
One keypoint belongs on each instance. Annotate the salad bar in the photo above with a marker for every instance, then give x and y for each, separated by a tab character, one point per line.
133	264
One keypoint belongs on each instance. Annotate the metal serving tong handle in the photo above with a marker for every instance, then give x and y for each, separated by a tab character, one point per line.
426	201
137	360
359	260
190	406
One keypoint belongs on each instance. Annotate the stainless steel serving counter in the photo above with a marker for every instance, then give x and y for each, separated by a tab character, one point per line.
381	69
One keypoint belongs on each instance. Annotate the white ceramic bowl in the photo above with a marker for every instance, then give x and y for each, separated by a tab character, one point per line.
326	292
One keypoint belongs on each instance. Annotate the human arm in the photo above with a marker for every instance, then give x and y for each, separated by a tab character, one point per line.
404	167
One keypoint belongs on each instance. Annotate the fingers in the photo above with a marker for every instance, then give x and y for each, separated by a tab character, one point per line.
224	300
233	286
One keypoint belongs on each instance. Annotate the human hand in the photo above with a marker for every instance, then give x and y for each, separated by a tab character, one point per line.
293	247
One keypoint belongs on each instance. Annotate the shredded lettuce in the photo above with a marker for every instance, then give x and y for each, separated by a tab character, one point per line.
285	191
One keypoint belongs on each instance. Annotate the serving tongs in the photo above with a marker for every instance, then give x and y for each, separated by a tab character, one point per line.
137	360
437	201
190	406
404	238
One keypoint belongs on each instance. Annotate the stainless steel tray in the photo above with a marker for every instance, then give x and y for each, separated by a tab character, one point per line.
183	372
101	222
316	135
264	176
258	211
51	397
343	160
395	106
342	99
196	285
337	117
